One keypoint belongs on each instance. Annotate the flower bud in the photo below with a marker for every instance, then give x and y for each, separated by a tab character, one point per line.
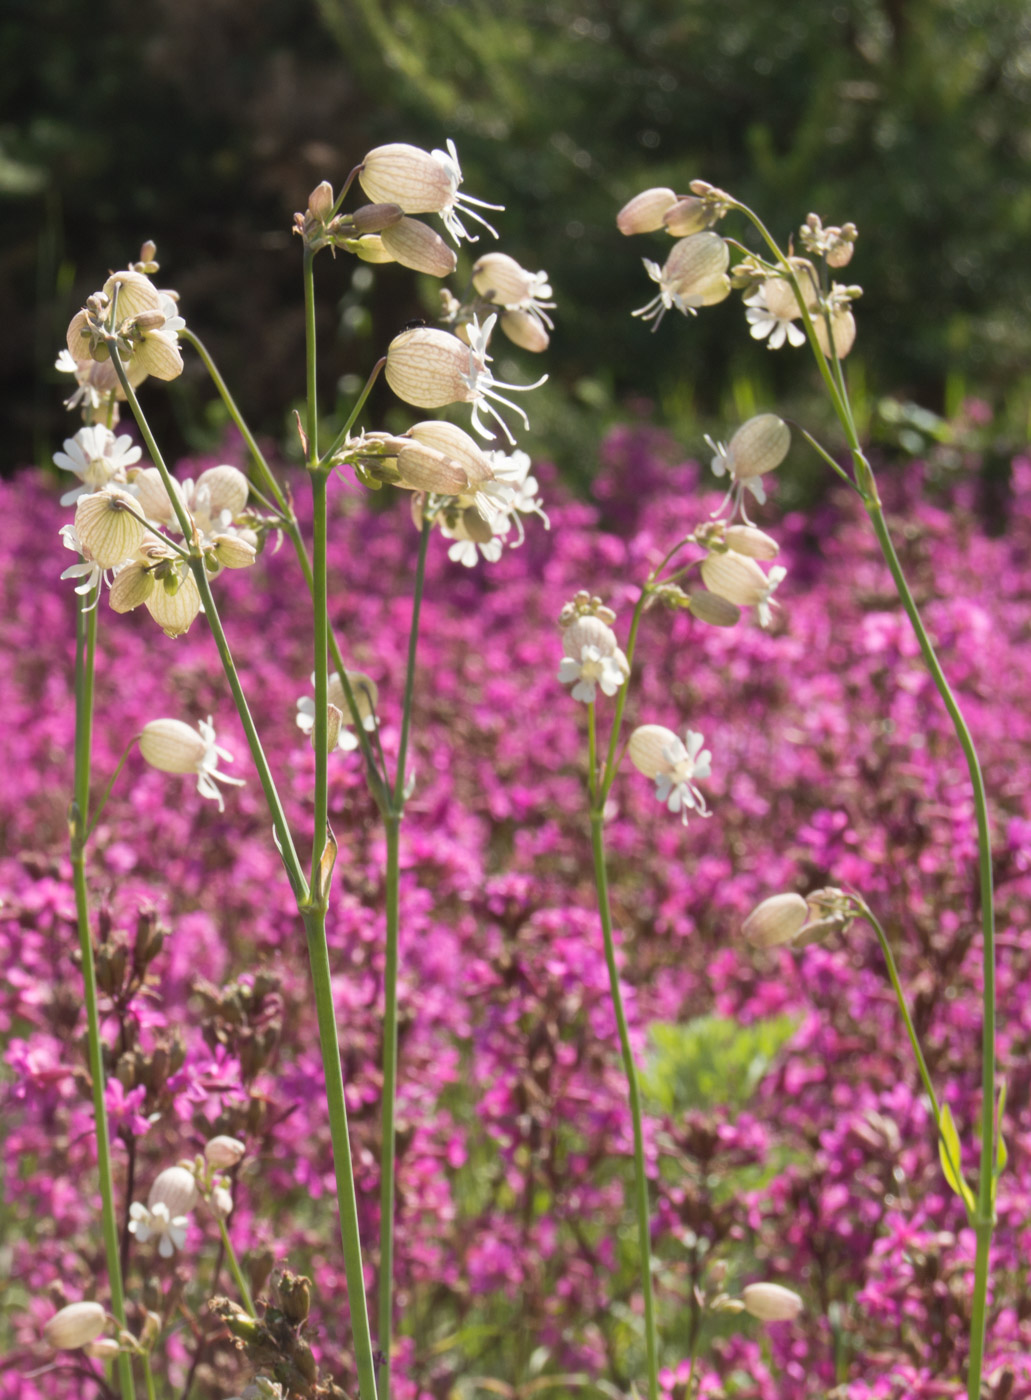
174	608
373	218
688	215
223	1151
770	1302
175	1187
404	175
320	201
417	246
525	330
645	212
107	529
103	1349
173	747
75	1326
772	923
711	608
748	540
735	577
233	551
370	249
501	279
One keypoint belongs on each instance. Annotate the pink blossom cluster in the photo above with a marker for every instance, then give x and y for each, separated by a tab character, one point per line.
833	763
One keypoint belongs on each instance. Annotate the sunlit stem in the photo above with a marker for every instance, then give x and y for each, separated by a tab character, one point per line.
388	1132
352	417
641	1203
85	652
234	1268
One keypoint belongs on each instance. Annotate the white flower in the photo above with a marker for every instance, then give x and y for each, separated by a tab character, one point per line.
765	603
97	457
501	279
693	275
87	569
759	446
422	183
593	658
74	1326
169	1230
771	314
366	694
771	1302
660	754
173	747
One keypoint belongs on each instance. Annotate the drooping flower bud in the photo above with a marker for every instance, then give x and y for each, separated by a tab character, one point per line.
223	1151
404	175
320	201
374	218
711	608
175	1187
735	577
425	469
775	921
751	541
233	551
75	1326
131	587
771	1302
689	215
174	603
455	443
758	446
105	525
417	246
525	330
646	211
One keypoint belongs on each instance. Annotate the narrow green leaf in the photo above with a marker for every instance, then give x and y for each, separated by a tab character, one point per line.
951	1157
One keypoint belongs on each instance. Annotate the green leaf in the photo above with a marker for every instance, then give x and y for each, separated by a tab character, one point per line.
1001	1154
951	1155
712	1061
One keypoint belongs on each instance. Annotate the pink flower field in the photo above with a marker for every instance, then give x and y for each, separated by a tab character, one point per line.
788	1136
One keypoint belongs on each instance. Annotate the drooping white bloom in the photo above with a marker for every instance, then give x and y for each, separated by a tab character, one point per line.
765	604
694	274
593	658
772	315
223	1151
431	368
87	569
106	523
173	747
169	1230
776	921
501	279
759	446
423	183
96	456
176	1188
366	695
771	1302
660	754
646	211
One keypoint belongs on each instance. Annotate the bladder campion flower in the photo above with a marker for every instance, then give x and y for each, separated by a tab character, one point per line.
771	1302
168	1229
173	747
776	920
423	182
96	456
525	318
675	765
106	524
694	274
74	1326
431	368
646	212
366	695
593	658
759	446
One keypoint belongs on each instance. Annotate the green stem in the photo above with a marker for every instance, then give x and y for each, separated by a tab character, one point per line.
268	480
318	953
608	777
359	404
388	1111
413	642
630	1068
148	1376
308	272
234	1268
320	734
107	791
85	653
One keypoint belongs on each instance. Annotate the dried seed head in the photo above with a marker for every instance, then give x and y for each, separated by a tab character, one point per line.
646	211
175	1187
105	526
770	1302
417	246
775	921
75	1326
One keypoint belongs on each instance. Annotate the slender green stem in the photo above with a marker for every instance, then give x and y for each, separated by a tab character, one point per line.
640	1179
900	997
352	417
148	1376
388	1110
309	356
85	653
609	774
107	791
320	733
413	643
269	481
234	1268
318	953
